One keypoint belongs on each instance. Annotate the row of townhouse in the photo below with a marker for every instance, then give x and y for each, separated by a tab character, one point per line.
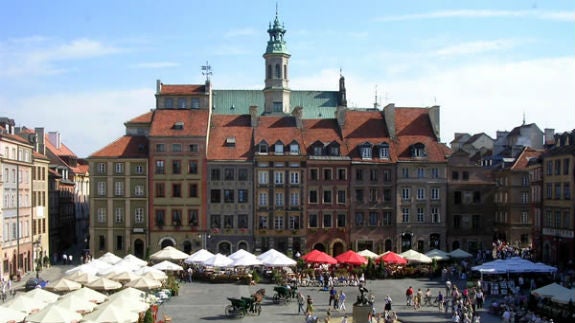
42	187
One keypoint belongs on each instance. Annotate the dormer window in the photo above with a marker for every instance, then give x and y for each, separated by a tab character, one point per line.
263	148
384	151
294	148
418	150
365	150
279	148
230	141
178	125
317	150
181	103
168	103
195	103
334	149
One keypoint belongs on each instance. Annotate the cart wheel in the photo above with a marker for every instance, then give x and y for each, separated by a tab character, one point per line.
276	299
241	313
230	311
259	309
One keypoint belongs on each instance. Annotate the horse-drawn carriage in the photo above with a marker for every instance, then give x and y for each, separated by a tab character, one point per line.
239	307
283	294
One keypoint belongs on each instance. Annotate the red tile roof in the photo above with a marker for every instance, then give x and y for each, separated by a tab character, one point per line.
366	126
144	118
523	159
277	128
124	147
195	123
182	89
224	127
324	130
413	122
63	150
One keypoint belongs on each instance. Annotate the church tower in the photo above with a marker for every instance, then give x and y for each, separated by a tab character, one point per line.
276	91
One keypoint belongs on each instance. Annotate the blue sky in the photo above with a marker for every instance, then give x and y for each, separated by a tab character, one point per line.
83	68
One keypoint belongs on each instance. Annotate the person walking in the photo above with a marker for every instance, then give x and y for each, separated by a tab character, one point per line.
440	301
387	306
409	296
341	301
300	302
417	299
336	300
309	308
332	294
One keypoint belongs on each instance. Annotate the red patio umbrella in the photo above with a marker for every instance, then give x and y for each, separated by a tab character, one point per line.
351	257
392	258
319	257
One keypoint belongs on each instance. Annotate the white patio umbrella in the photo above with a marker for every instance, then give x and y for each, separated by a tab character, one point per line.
110	258
564	296
112	313
125	277
459	253
76	304
89	295
40	294
437	254
198	257
169	253
246	261
53	314
414	257
81	277
63	285
218	260
11	315
144	283
168	266
269	253
25	304
129	292
368	253
274	258
104	284
152	273
125	303
135	260
241	253
117	268
93	267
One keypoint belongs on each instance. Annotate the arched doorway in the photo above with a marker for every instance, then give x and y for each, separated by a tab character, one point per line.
406	241
455	245
338	248
224	248
243	245
387	246
434	241
319	246
187	247
139	248
167	242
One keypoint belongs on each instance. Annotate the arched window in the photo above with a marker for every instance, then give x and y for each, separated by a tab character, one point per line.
269	72
278	71
418	150
285	72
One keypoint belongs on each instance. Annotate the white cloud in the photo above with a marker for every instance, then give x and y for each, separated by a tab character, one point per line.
568	16
154	65
88	121
476	47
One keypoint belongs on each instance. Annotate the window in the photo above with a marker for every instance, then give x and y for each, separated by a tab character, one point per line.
139	190
420	214
242	174
435	218
387	218
100	168
160	148
418	150
215	174
181	103
215	196
176	190
342	174
263	222
242	221
327	174
524	217
195	103
101	189
313	220
476	197
313	197
294	199
557	191
177	218
405	215
193	190
465	175
384	151
313	174
279	199
278	177
119	168
229	174
228	196
341	196
341	220
373	194
326	196
359	219
549	167
420	172
139	215
435	193
457	221
373	174
549	190
293	222
119	243
279	148
405	193
294	178
359	195
101	242
193	167
421	193
365	151
177	148
557	167
334	150
263	199
405	172
263	177
457	197
118	188
566	191
279	222
327	220
194	148
454	175
160	167
160	218
168	103
242	196
435	173
160	190
293	149
228	221
176	167
524	197
373	218
215	221
139	169
359	175
101	215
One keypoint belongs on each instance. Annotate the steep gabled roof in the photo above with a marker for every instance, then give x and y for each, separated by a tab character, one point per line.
144	118
413	126
63	150
278	128
324	130
182	89
230	137
124	147
194	122
522	161
363	126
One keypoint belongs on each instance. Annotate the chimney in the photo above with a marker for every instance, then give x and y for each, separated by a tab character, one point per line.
254	115
158	87
434	118
549	137
40	136
298	113
54	138
389	116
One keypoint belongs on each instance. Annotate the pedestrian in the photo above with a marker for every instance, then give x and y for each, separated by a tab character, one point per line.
64	259
332	294
70	259
336	300
387	306
344	319
341	301
440	301
479	298
300	302
409	296
417	299
309	308
190	273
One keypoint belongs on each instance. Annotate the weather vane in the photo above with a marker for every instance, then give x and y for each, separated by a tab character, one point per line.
207	71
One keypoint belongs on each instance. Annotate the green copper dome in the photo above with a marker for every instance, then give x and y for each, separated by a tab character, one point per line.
276	43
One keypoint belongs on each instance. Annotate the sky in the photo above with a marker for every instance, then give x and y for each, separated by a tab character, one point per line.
84	68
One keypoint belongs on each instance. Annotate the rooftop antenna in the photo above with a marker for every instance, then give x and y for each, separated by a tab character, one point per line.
523	119
207	71
375	104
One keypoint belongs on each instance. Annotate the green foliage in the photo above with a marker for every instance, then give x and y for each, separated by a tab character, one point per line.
370	270
256	276
149	318
173	285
